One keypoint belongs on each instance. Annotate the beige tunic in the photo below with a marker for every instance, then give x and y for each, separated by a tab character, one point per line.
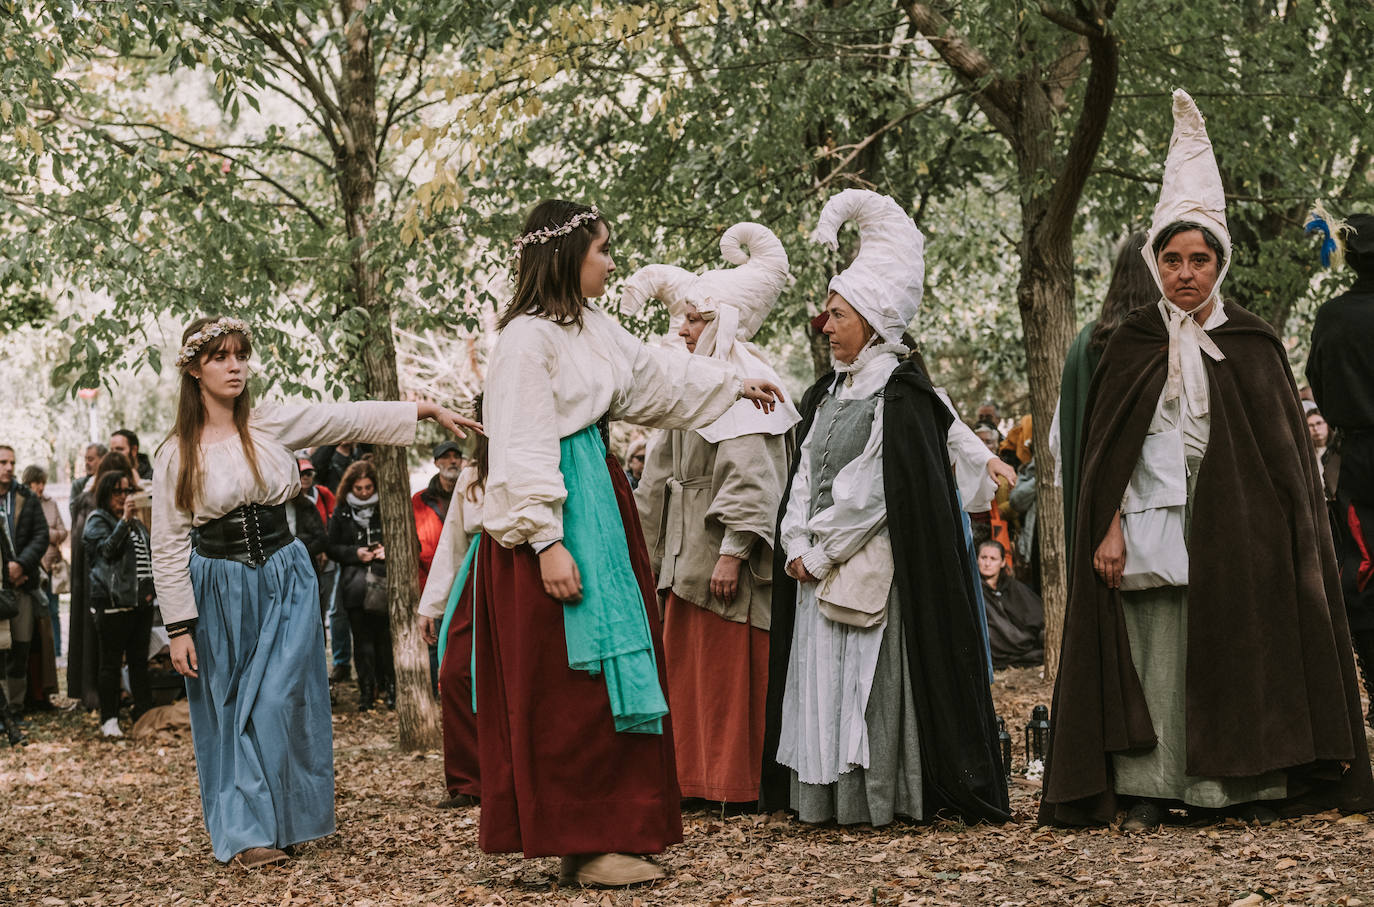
277	430
699	500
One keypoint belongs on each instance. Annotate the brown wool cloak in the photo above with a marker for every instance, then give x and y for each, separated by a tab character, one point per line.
1271	677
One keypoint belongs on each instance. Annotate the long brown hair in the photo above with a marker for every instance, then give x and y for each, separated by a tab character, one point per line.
548	275
1131	287
358	469
479	453
191	415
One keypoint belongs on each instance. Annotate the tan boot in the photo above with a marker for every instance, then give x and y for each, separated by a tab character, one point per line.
255	857
616	870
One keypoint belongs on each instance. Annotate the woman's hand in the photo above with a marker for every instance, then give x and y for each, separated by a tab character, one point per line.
130	508
183	650
765	394
558	570
379	553
797	570
999	470
725	578
448	419
365	555
428	632
1110	559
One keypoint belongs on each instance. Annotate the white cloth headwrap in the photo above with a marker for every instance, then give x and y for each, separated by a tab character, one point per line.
1192	192
885	282
734	301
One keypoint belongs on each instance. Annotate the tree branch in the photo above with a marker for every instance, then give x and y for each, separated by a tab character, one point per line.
996	96
1104	56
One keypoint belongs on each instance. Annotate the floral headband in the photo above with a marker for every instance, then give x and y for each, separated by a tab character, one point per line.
210	332
539	237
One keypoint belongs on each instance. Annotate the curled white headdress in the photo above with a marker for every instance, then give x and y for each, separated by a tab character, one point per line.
885	282
735	302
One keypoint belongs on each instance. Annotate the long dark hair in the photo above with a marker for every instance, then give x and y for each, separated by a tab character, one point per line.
1131	287
105	486
548	275
479	454
191	415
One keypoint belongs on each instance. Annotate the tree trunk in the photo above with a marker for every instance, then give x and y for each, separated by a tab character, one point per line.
416	711
1045	295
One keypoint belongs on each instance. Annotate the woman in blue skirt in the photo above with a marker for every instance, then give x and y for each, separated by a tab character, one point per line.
240	599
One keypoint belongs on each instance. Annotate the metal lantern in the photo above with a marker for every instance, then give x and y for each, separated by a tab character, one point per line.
1037	734
1004	741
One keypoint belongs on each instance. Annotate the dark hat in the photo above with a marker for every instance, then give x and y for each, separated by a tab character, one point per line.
444	447
1359	243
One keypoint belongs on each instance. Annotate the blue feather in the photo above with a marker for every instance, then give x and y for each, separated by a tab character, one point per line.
1319	225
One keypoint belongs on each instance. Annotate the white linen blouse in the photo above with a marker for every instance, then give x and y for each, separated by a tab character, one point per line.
464	520
547	381
277	431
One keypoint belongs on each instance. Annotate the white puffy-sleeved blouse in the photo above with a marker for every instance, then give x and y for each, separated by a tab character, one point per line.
859	509
547	381
277	430
464	520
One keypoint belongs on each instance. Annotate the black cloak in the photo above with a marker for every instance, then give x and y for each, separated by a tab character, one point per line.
961	769
1340	370
1271	677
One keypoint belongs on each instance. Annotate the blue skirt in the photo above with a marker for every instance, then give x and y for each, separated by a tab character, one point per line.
260	714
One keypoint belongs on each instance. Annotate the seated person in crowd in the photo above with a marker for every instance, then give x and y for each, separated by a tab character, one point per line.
1016	616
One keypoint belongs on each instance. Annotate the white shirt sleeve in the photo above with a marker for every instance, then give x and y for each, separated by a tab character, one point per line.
525	490
314	424
969	456
171	537
796	535
859	509
449	552
672	388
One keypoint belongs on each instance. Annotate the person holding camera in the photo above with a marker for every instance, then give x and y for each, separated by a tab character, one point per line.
355	543
120	589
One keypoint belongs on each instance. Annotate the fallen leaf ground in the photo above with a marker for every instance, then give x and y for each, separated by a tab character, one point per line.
87	822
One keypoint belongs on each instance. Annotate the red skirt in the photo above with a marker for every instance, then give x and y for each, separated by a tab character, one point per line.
455	702
717	687
556	778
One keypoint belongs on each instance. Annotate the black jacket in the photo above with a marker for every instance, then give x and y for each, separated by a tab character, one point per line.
112	557
346	537
29	535
961	769
310	528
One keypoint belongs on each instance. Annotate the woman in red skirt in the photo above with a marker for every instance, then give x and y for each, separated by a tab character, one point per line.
708	501
574	743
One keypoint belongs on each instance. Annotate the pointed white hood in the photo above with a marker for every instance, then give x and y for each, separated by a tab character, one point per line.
734	302
1191	189
885	282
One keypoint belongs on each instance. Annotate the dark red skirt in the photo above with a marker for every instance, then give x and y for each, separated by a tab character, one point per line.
556	777
455	701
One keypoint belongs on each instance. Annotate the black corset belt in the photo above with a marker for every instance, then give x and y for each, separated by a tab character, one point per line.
249	534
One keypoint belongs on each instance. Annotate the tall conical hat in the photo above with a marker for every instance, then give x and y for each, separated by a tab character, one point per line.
884	283
1191	189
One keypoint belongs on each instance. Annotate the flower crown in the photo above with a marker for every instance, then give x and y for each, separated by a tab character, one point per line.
539	237
210	332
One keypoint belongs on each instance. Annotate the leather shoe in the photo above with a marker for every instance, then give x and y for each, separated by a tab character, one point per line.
339	674
609	870
1145	815
458	801
255	857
